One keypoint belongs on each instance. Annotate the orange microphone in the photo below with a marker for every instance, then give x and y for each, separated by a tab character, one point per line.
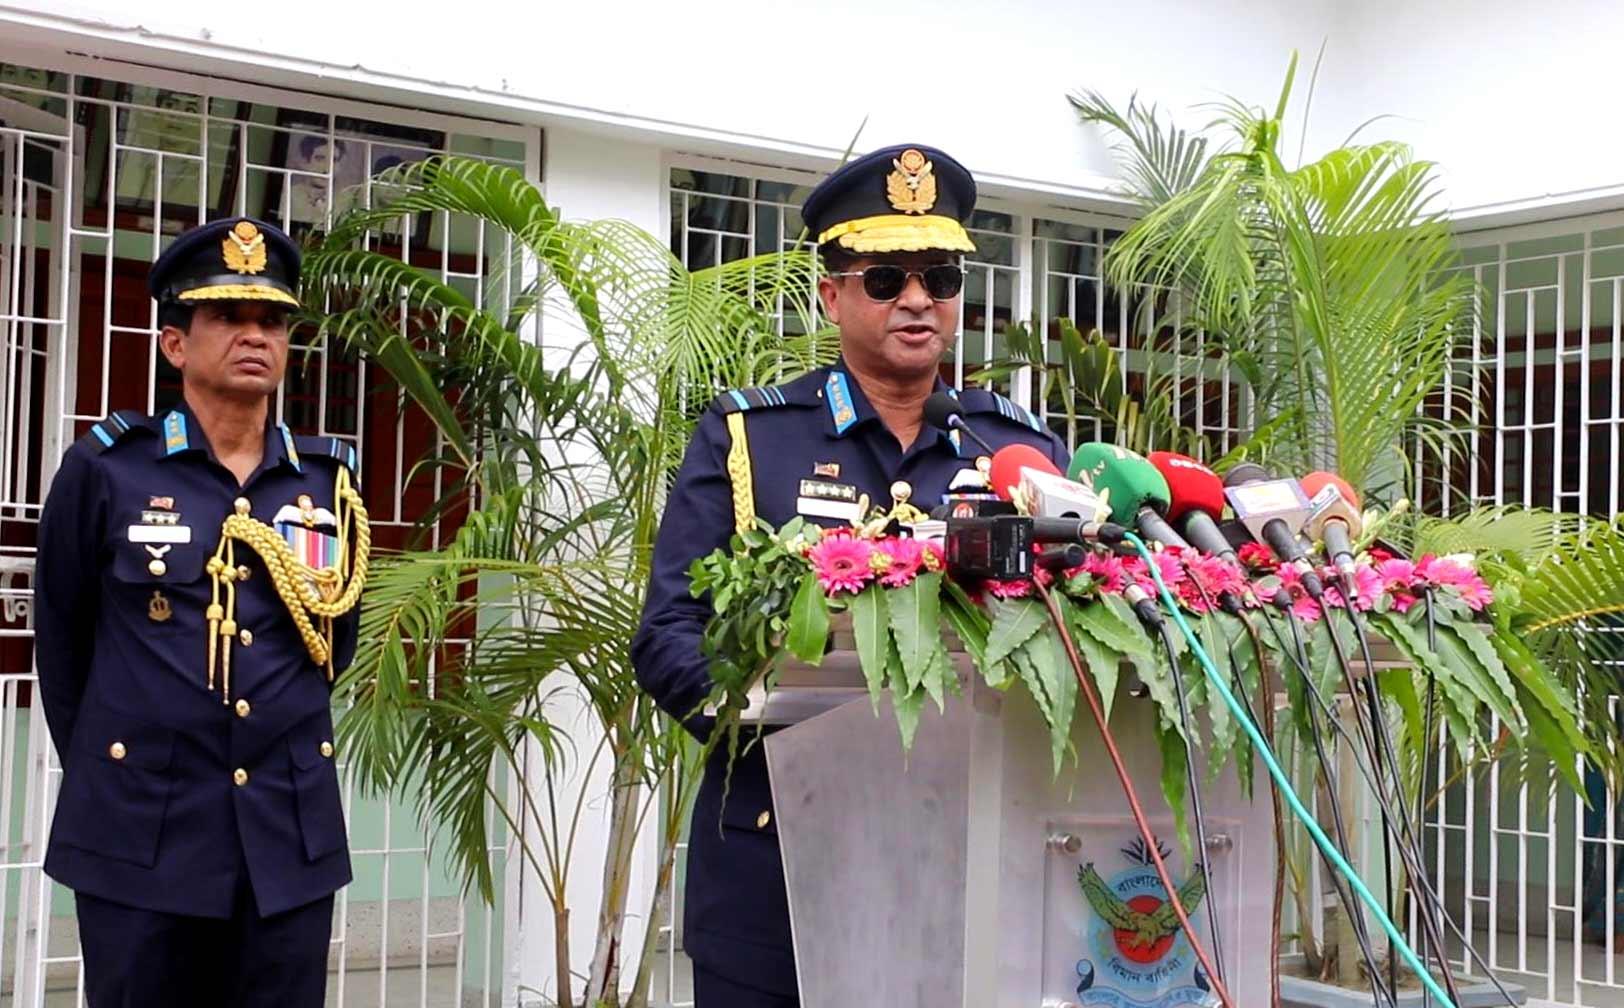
1334	518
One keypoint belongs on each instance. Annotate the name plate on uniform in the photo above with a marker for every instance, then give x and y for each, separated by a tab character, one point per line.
826	499
160	533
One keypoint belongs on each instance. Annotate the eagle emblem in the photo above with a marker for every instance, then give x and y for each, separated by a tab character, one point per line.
244	249
1139	927
911	187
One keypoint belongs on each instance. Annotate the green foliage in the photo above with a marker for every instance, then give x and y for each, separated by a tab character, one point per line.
557	455
1325	284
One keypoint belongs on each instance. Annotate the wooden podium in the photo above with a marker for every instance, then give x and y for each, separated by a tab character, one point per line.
953	875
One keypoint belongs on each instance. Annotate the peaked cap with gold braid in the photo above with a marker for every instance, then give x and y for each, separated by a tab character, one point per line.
907	198
234	259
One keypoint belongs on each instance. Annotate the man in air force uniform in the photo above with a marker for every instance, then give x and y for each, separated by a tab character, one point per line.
196	585
890	229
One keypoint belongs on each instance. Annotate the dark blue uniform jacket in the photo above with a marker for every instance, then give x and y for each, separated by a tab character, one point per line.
152	812
737	921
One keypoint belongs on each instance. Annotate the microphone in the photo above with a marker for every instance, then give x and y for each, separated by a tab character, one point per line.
1130	486
1335	518
943	411
1274	511
1196	502
1047	493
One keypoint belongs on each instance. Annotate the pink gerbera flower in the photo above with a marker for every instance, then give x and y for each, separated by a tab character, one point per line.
1462	579
933	559
1171	570
842	564
1209	574
903	560
1107	572
1398	580
1367	588
1014	588
1303	607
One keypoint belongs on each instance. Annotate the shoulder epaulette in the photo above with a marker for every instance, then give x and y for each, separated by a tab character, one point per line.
109	432
745	400
985	401
327	447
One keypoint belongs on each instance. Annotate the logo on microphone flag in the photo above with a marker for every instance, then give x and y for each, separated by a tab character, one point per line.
1137	956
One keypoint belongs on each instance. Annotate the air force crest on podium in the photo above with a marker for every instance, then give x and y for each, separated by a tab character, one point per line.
1137	957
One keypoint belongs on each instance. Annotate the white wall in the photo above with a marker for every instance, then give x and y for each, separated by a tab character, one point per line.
795	81
1518	102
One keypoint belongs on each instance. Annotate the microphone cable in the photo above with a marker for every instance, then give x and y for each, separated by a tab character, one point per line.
1420	885
1412	828
1361	932
1086	684
1267	696
1188	728
1389	833
1290	794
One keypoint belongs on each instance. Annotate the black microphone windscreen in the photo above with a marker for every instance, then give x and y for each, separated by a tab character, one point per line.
940	408
1246	472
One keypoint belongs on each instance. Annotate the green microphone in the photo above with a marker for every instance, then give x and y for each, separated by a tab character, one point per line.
1135	490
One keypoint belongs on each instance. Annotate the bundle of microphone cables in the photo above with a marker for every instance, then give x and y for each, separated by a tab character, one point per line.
1113	499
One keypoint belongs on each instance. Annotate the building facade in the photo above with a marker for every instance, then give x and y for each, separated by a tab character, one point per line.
709	124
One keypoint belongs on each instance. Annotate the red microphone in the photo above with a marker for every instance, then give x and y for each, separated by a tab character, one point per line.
1196	500
1193	486
1007	463
1195	503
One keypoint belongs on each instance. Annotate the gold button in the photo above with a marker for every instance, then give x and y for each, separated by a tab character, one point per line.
239	776
117	750
763	819
327	749
901	490
242	505
243	708
246	636
157	568
242	572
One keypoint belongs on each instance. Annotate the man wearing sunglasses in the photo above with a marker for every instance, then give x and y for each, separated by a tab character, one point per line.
890	230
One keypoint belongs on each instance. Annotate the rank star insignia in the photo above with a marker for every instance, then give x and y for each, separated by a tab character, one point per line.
243	249
827	470
911	188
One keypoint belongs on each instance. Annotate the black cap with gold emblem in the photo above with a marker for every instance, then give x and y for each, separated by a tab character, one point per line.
908	198
235	259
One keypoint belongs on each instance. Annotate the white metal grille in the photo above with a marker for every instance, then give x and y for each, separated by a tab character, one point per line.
1524	867
96	174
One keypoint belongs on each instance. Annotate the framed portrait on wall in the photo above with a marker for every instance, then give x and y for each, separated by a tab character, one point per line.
328	169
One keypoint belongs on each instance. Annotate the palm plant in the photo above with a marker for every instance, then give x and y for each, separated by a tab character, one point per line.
478	657
1328	289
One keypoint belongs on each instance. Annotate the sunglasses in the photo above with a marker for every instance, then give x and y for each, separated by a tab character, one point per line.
886	283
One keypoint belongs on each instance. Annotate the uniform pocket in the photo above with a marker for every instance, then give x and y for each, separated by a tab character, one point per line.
315	781
181	563
115	793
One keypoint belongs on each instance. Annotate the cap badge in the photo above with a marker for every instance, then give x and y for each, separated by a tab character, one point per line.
244	249
911	188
